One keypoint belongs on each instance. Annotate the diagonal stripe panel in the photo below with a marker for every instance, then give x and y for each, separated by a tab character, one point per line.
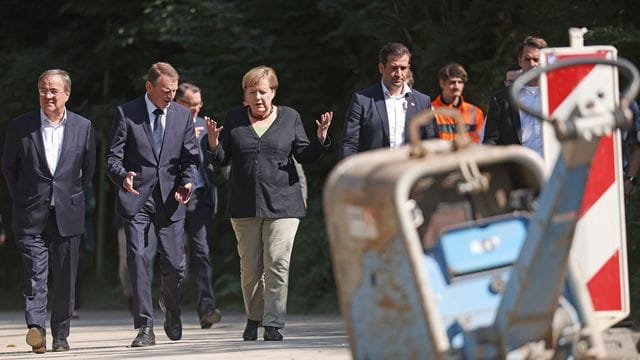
608	277
601	174
563	81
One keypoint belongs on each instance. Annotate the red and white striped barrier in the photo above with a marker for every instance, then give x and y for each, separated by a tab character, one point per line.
599	245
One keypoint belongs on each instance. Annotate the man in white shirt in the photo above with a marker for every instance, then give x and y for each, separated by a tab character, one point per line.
378	116
48	161
507	125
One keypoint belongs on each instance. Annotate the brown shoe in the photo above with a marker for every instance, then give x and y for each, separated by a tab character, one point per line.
210	317
36	338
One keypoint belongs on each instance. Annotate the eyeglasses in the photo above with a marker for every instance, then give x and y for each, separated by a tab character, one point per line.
53	92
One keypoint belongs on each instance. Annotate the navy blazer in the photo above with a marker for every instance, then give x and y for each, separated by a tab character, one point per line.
502	126
30	182
206	169
367	124
131	149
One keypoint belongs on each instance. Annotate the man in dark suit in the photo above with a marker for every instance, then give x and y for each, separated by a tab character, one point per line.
48	160
152	158
505	124
200	210
379	116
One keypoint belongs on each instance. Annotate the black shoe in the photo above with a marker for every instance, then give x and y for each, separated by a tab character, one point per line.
145	337
36	338
210	317
172	323
272	334
60	345
251	330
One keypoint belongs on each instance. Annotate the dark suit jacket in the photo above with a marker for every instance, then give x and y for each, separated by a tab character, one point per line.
502	126
31	184
367	125
206	169
131	149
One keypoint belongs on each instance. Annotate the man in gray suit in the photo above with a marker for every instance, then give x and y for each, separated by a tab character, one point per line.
379	116
47	161
200	210
152	159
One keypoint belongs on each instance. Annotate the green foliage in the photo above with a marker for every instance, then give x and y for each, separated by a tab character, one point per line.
323	50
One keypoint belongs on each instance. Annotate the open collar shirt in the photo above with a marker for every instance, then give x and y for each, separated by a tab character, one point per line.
396	114
530	125
52	137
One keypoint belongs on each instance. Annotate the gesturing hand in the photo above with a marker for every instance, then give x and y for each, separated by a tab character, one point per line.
128	183
213	132
323	125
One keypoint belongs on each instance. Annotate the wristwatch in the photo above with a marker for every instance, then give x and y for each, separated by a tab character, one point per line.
632	179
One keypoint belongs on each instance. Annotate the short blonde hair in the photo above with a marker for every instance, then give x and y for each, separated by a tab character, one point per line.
255	75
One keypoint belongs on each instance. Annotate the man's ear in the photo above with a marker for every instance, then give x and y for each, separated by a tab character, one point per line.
381	68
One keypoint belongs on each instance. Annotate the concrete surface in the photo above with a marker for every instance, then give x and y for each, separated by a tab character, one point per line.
108	334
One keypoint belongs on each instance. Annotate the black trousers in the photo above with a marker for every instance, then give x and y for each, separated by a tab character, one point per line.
199	216
171	253
62	253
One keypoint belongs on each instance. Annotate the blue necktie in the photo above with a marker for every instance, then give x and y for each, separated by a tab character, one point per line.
157	130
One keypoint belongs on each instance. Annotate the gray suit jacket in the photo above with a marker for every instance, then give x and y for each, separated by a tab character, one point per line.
131	149
30	182
367	125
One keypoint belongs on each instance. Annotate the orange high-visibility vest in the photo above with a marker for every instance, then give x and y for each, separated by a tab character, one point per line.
472	116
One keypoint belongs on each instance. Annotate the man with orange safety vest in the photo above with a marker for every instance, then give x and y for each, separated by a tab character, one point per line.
452	78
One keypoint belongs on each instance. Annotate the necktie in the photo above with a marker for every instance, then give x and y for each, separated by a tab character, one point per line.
157	130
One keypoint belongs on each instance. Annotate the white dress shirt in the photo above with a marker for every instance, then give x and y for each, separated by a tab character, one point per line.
397	115
150	109
52	137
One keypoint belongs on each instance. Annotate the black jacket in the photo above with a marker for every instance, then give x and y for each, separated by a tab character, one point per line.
502	126
263	180
31	183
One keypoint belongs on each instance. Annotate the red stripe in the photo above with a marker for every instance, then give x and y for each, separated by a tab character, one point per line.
563	81
601	175
604	286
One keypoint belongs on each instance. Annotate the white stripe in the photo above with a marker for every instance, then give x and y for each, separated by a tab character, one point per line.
597	234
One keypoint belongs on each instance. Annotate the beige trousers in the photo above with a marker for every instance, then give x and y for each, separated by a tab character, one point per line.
264	246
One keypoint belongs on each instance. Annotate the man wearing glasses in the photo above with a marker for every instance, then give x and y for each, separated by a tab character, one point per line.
48	161
200	210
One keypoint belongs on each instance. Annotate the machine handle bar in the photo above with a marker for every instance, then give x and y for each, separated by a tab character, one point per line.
629	93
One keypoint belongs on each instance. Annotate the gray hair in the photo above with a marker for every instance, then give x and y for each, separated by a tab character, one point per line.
66	79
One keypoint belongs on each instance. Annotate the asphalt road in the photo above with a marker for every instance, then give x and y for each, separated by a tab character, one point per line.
108	334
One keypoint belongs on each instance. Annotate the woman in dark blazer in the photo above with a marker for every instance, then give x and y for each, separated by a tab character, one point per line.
260	142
